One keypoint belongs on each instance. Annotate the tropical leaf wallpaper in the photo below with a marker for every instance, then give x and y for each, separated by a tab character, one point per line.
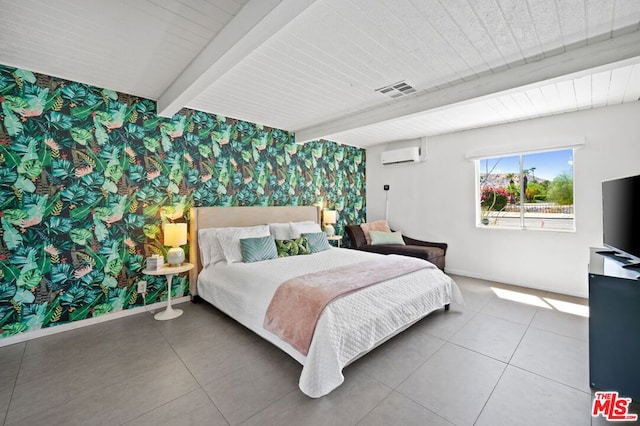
88	176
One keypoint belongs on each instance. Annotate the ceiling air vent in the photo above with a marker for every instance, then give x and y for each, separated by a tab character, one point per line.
398	89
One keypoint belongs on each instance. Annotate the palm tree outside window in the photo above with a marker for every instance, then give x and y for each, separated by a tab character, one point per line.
527	191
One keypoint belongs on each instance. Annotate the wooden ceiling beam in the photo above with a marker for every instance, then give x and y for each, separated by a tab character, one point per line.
255	23
572	61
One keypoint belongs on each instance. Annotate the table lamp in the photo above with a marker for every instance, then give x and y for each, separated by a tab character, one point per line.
175	235
329	217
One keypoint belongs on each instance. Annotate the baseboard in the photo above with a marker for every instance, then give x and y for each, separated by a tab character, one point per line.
30	335
485	278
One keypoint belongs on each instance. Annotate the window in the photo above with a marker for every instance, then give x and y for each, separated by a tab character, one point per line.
526	191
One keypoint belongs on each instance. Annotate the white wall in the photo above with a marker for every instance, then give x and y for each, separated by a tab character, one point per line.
435	200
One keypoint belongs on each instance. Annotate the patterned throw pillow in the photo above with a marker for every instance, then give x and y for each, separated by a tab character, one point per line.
257	249
317	241
293	247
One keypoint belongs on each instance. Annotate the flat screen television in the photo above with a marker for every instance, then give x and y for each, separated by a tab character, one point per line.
621	218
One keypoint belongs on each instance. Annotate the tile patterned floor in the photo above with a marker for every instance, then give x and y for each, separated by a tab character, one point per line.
490	362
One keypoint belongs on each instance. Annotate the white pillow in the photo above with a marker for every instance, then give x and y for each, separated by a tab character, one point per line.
229	239
280	231
210	251
299	228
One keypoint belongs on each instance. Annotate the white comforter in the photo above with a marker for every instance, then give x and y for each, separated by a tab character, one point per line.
349	327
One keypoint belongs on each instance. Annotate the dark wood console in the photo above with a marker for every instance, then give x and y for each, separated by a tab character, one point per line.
614	325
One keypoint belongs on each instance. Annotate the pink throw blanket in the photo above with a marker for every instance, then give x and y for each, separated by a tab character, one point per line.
297	303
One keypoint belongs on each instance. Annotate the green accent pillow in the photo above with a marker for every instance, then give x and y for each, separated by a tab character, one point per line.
379	237
317	241
257	249
293	247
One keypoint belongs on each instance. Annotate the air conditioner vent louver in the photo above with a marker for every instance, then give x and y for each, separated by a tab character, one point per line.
399	156
397	89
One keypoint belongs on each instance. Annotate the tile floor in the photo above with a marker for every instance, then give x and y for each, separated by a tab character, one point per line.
490	362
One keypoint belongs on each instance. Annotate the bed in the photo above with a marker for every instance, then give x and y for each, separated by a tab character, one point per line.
349	327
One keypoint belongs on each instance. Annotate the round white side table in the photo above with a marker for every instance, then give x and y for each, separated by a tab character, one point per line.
336	238
169	272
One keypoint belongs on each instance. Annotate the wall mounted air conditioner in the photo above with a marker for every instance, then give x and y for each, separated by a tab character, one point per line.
398	156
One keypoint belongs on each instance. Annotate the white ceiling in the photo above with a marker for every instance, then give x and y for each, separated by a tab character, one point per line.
591	89
312	66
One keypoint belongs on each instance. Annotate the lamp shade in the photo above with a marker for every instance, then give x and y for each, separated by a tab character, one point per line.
175	234
329	216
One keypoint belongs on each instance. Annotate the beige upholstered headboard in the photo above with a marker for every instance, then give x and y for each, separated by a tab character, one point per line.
220	217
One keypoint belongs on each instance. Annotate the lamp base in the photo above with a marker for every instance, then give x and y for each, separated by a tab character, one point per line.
330	230
175	256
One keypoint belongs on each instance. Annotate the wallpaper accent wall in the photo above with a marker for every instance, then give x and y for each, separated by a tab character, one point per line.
88	175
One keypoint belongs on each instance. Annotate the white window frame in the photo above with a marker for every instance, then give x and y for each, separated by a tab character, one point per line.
478	210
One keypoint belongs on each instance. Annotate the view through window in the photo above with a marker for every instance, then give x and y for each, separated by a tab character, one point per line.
533	191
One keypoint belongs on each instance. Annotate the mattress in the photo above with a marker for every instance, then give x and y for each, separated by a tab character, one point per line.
348	327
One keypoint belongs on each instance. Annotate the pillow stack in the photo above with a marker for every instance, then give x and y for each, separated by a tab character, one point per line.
297	228
263	242
303	238
378	232
379	225
219	245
